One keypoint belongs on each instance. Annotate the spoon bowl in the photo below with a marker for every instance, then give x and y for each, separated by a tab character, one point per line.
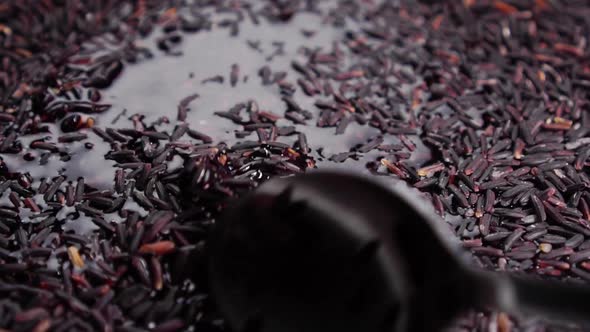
328	252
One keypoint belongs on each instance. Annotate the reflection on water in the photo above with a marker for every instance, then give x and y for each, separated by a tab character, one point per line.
156	87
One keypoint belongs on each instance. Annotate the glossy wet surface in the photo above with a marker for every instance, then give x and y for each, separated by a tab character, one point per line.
155	88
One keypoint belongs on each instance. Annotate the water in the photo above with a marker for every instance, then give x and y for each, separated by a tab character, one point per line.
87	163
154	88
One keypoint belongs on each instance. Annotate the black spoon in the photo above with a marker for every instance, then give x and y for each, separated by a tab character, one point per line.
336	252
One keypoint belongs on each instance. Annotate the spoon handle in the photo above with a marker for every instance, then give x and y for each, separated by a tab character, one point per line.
562	300
551	299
